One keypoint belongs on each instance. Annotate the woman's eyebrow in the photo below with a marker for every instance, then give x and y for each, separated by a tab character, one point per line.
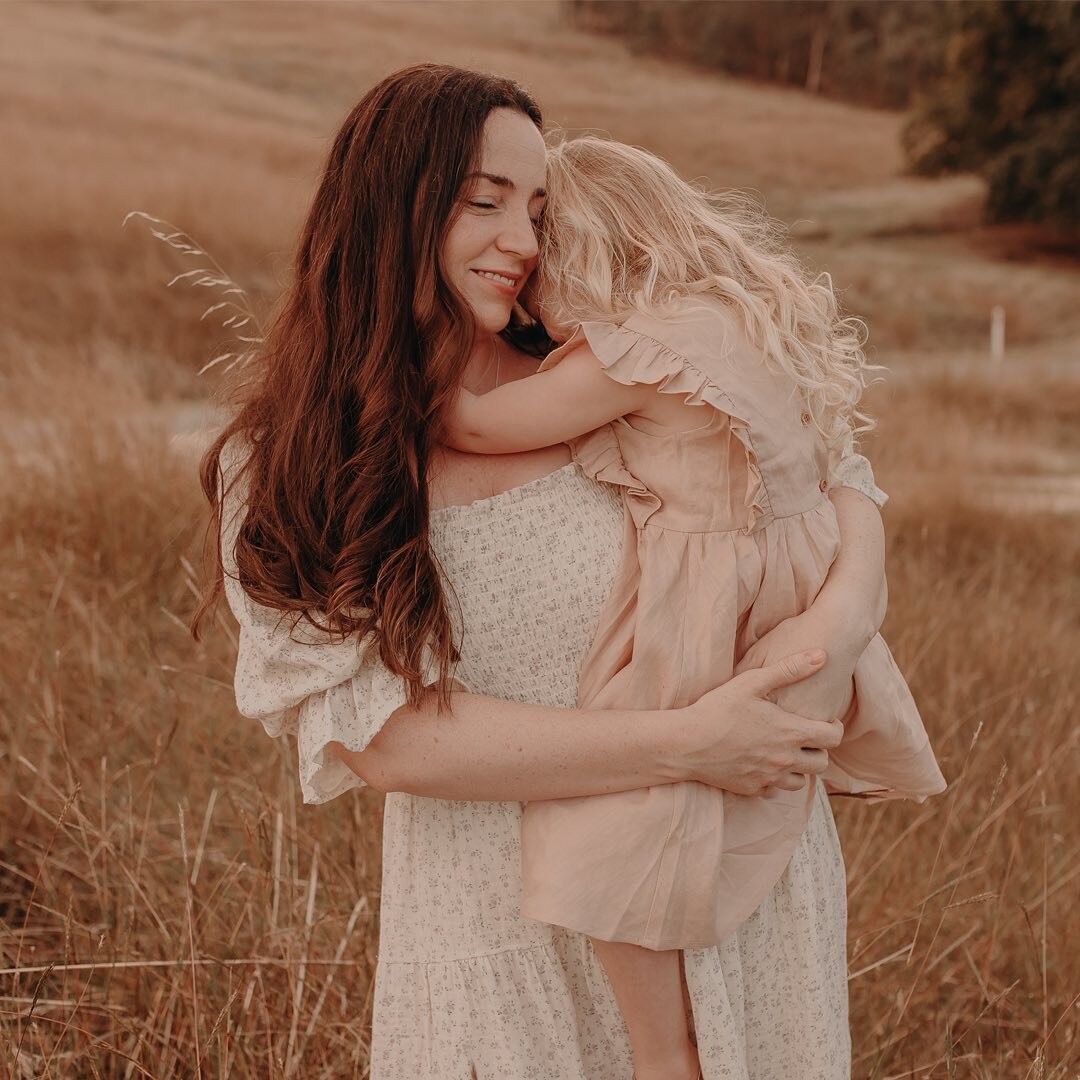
504	182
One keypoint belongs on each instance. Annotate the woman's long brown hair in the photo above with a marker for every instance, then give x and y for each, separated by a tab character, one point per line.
340	414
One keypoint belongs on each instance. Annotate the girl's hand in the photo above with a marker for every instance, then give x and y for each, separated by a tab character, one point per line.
827	694
736	738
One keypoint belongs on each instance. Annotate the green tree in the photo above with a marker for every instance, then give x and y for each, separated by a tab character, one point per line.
1008	108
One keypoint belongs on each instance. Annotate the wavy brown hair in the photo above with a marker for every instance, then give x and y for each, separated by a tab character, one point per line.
340	412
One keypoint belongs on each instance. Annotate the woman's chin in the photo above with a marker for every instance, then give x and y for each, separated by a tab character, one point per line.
492	318
489	326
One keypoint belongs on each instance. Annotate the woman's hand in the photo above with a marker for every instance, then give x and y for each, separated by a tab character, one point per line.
828	693
737	739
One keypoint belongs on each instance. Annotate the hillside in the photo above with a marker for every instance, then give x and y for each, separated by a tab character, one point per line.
214	116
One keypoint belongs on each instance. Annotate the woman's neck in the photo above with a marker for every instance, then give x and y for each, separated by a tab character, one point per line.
482	370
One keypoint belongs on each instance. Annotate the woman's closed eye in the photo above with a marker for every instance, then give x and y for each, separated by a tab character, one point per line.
479	204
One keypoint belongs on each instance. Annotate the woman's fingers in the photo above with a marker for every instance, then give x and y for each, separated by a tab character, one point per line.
812	761
805	732
791	669
824	734
790	782
760	744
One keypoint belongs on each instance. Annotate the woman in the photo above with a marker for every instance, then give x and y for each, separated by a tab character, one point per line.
373	572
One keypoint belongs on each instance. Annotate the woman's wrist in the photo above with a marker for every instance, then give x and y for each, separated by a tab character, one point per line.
673	746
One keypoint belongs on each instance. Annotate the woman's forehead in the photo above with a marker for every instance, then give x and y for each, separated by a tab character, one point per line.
512	152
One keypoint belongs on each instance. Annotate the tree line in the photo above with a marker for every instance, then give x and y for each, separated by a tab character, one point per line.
991	86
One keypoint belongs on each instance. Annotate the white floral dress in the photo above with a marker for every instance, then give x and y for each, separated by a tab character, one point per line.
465	987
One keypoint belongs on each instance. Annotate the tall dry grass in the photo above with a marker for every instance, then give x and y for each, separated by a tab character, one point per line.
215	116
166	907
963	951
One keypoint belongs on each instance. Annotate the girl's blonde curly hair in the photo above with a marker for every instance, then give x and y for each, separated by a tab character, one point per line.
623	232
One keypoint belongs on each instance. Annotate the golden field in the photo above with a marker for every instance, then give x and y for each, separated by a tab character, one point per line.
167	908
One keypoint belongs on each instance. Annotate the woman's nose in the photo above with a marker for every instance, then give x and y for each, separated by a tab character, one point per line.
518	236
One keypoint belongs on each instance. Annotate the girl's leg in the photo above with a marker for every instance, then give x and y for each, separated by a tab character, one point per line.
648	989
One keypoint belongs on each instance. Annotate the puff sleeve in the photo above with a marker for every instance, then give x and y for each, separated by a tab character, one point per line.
296	681
852	470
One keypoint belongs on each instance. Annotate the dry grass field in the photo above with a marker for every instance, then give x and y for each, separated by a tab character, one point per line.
167	908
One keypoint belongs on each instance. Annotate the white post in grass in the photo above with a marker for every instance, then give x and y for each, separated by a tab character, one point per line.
997	333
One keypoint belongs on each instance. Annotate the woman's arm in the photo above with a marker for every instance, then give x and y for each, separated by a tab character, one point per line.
570	399
354	725
488	749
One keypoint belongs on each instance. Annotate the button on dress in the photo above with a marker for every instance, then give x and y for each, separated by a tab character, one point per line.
728	531
465	987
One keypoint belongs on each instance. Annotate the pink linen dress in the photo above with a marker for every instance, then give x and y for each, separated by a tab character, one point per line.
729	530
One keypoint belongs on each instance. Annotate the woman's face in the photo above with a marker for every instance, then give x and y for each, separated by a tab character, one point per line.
491	248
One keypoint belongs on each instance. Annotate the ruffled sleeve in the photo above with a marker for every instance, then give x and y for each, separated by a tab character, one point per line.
632	353
295	681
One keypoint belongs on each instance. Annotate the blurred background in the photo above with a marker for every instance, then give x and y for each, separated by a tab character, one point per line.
166	906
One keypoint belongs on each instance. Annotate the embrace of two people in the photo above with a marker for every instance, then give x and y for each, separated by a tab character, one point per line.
603	626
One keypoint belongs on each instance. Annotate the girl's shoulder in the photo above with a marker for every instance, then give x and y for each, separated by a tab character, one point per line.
694	342
696	328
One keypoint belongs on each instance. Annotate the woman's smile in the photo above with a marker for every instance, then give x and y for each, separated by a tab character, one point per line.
507	284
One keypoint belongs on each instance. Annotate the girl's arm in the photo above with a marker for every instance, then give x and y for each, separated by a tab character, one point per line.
856	591
494	749
553	406
844	617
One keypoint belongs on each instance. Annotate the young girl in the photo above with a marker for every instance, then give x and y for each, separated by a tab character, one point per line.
709	380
